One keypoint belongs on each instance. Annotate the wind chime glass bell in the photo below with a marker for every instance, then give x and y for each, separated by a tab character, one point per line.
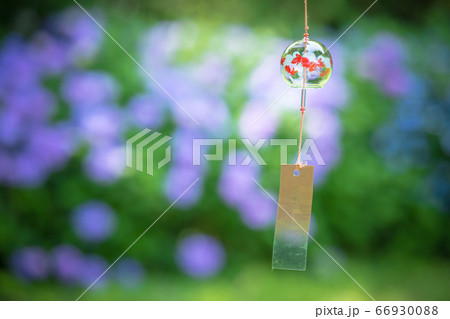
315	63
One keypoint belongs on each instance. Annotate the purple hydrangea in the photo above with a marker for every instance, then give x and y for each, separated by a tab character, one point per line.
129	272
94	221
236	181
100	125
18	68
84	36
147	111
212	73
88	88
330	151
210	111
46	149
257	121
50	54
51	145
30	263
178	181
23	170
11	128
23	111
258	210
189	84
33	104
105	164
237	188
384	63
183	151
322	123
323	127
32	148
200	256
266	83
160	43
91	269
67	263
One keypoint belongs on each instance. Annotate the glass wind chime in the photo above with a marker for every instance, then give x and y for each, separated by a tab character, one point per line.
305	64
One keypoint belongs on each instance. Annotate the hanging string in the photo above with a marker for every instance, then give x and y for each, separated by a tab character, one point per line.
306	22
303	97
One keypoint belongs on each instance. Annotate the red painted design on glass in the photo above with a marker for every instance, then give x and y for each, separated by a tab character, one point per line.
297	59
325	72
290	71
320	64
312	66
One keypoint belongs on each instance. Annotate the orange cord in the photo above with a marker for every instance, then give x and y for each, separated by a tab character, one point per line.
306	21
302	108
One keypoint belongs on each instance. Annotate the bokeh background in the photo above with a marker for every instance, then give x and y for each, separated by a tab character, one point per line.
70	97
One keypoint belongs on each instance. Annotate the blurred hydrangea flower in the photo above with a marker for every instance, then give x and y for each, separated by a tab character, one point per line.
210	112
324	128
30	263
129	272
94	221
33	104
322	123
22	170
257	121
177	182
18	68
84	36
91	269
147	111
183	151
105	164
159	44
100	125
32	148
41	151
207	107
267	86
238	189
51	55
212	73
183	172
236	182
190	83
384	62
11	127
87	88
258	210
51	145
67	263
200	256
